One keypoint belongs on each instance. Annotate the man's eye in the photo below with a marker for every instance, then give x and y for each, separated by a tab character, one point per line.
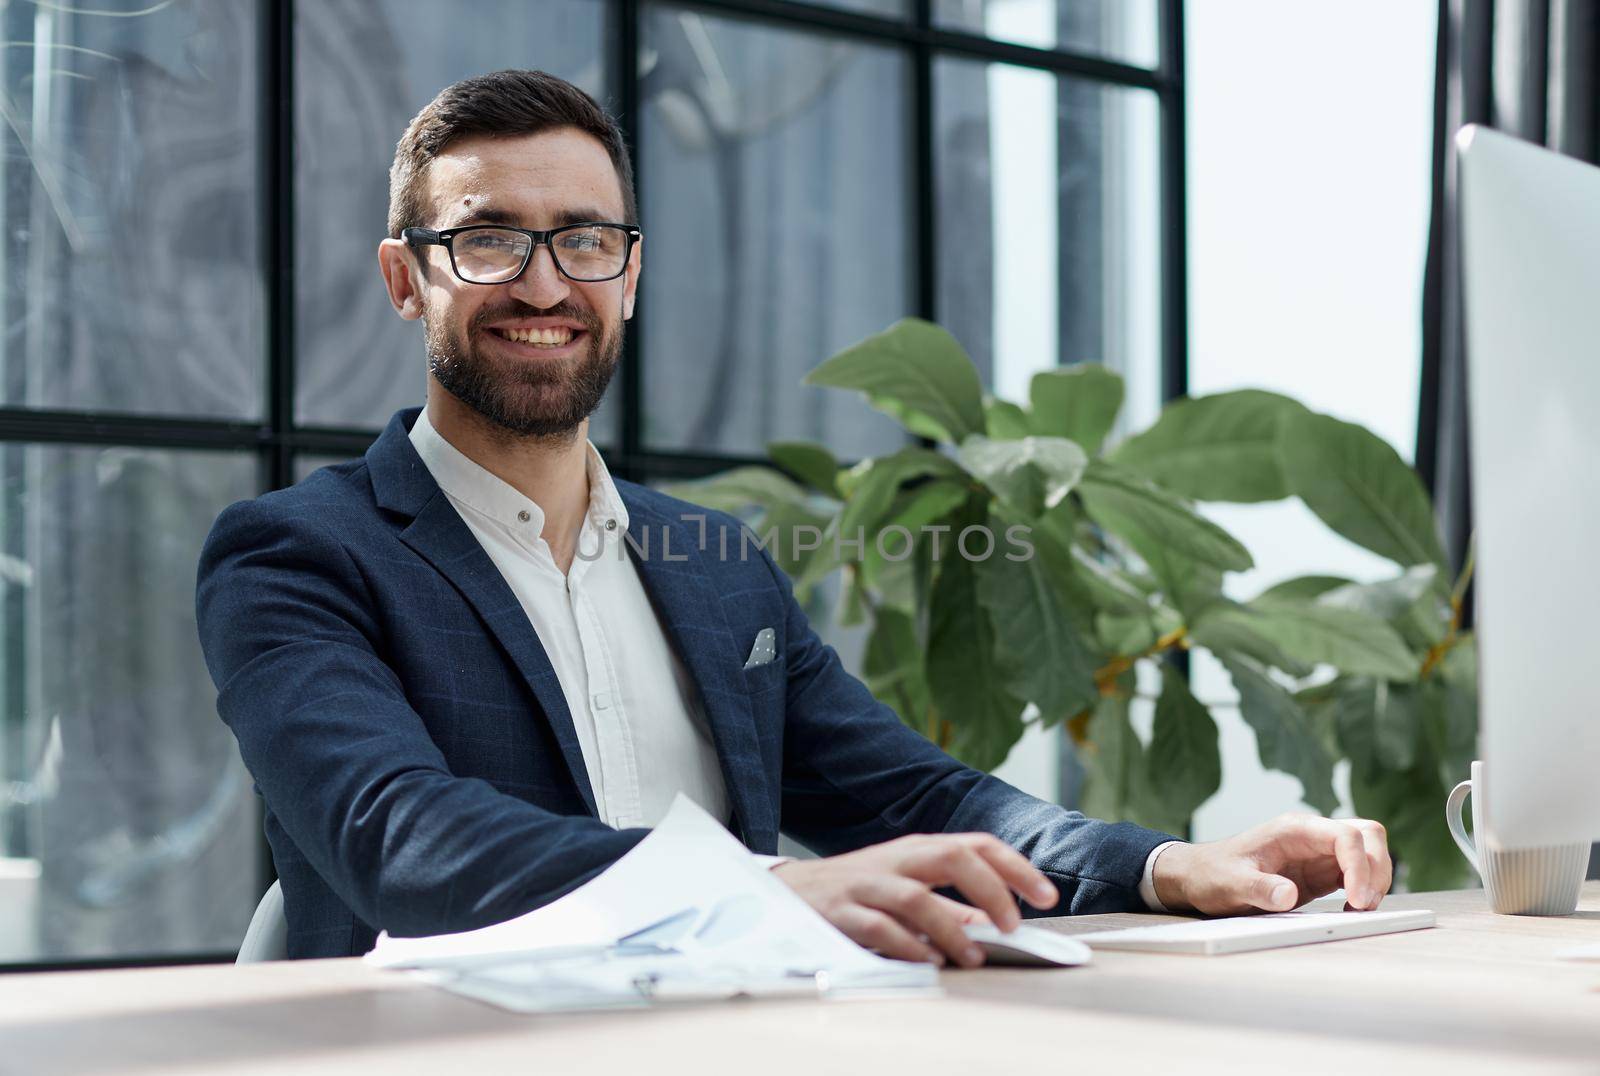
582	241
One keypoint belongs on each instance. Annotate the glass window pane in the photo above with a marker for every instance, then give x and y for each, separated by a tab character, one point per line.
776	209
1123	30
363	68
131	276
127	823
1264	271
1049	225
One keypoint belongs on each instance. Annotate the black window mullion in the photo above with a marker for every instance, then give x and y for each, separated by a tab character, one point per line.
1174	207
630	378
277	135
926	230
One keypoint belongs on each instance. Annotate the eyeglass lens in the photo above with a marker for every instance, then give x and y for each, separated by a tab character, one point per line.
493	255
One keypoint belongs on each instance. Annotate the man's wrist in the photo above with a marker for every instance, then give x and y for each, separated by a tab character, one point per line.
1169	872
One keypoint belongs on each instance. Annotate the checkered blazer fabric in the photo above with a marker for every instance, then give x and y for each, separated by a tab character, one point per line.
419	767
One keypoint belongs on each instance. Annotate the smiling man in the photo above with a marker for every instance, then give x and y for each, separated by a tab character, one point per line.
465	681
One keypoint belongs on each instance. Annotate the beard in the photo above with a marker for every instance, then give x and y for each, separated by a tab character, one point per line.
545	400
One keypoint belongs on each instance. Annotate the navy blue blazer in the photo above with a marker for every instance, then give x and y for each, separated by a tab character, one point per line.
418	764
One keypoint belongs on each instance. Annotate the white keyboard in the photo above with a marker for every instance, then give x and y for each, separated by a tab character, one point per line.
1243	934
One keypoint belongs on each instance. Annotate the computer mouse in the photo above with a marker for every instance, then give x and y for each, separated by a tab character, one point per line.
1028	947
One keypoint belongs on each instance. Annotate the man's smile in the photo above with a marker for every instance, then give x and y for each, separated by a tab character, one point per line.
543	341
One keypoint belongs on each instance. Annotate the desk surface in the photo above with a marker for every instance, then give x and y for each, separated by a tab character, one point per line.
1480	993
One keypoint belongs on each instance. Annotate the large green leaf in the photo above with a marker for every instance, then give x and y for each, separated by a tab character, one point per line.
1449	712
871	487
1358	485
1153	521
1078	402
916	372
969	691
1183	765
1387	599
1414	603
1352	642
1299	591
740	489
1230	630
1285	739
810	463
1379	723
1107	588
1003	419
1117	786
892	667
1114	757
913	509
1125	635
1042	651
1188	586
1215	448
1031	475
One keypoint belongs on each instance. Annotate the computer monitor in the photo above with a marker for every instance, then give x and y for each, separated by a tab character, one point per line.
1530	228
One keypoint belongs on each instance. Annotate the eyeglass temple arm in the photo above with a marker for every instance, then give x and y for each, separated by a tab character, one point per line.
420	237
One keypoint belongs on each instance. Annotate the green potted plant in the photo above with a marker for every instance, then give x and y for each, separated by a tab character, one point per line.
1012	568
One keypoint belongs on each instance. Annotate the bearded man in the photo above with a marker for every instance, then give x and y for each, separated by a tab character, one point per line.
462	690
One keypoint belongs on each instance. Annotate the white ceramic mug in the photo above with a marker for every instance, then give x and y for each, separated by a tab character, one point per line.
1519	881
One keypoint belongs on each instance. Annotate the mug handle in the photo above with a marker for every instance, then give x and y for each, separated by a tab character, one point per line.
1458	830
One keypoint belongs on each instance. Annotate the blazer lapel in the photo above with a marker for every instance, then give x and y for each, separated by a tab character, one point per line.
439	535
676	576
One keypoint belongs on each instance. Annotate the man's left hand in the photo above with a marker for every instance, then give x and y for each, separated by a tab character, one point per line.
1278	866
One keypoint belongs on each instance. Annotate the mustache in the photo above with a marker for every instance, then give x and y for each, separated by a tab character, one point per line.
518	309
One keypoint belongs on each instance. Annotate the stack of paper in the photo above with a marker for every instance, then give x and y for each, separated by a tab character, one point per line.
688	914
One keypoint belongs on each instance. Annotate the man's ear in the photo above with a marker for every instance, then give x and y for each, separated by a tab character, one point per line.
630	285
402	276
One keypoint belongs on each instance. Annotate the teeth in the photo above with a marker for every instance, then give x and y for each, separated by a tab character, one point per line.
547	337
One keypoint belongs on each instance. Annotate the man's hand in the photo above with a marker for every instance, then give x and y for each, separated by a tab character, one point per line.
1278	866
882	897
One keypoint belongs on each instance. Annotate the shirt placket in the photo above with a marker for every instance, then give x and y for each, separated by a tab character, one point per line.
618	759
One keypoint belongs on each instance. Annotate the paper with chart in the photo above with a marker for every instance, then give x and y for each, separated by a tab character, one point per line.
688	913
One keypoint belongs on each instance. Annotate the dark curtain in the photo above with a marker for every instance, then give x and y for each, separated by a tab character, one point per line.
1530	68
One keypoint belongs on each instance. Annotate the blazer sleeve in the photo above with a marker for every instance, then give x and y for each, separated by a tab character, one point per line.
854	774
341	758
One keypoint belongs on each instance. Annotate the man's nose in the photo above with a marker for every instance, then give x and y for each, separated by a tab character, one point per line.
541	283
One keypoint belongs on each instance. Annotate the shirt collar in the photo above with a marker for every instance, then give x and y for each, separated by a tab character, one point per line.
469	483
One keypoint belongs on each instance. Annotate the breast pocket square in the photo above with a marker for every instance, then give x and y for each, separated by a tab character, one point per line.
764	650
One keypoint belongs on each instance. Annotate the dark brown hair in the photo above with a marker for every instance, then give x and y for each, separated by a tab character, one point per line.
498	104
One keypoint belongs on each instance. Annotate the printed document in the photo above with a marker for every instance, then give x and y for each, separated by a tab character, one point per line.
687	914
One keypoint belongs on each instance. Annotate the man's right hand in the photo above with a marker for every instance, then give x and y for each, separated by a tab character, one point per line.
882	897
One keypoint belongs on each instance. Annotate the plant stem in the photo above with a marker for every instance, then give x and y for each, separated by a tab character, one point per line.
1106	677
1458	598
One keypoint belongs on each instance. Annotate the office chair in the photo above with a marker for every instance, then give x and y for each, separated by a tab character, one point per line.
268	936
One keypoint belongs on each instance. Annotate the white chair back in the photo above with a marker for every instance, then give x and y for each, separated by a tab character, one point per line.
268	936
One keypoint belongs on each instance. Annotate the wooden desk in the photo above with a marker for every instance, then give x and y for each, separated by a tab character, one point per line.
1481	993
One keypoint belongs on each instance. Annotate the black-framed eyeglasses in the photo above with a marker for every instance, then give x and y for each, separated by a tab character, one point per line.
587	252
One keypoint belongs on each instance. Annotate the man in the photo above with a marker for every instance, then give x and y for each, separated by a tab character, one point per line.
462	693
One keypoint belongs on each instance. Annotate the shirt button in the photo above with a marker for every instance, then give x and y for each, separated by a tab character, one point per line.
611	524
524	516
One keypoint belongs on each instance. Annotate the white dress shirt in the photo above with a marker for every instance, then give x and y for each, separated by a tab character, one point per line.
638	716
635	707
